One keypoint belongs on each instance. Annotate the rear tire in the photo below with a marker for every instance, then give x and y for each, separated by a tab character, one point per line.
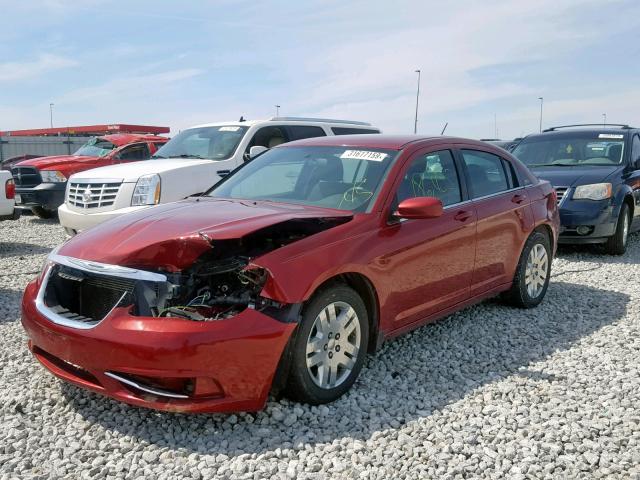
42	212
533	272
329	347
617	243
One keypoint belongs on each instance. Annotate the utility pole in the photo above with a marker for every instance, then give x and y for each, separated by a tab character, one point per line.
541	102
277	110
415	123
51	114
604	119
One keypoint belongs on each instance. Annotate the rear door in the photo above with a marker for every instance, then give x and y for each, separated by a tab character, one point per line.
503	213
430	262
633	178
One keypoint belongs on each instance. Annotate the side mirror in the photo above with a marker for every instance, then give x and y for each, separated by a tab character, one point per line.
256	150
420	207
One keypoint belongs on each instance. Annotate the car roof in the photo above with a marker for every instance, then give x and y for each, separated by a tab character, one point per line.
290	121
119	139
564	132
388	142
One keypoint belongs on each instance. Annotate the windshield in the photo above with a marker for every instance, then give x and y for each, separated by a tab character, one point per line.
344	178
96	147
576	149
214	143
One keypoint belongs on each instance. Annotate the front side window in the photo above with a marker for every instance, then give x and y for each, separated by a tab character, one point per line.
345	178
213	143
571	149
135	152
635	149
486	173
298	132
96	147
431	175
353	131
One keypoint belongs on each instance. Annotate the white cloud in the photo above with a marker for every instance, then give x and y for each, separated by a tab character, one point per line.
17	71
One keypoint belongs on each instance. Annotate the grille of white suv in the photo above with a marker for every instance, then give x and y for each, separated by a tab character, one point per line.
92	195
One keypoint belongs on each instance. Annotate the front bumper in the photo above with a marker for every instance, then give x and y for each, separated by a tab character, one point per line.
599	216
46	195
232	362
74	221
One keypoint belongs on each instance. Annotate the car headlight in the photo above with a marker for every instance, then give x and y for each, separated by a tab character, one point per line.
595	191
52	176
147	191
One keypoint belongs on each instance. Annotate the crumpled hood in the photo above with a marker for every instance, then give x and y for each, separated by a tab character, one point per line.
573	176
173	235
49	163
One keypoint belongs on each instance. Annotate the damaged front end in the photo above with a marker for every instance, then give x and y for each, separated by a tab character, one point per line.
222	282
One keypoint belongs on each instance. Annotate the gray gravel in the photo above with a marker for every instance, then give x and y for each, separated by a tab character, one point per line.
490	392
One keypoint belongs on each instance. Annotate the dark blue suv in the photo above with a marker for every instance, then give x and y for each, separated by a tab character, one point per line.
596	173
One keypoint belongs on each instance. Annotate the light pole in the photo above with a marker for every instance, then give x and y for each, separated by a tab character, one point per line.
604	119
541	102
415	123
51	114
277	110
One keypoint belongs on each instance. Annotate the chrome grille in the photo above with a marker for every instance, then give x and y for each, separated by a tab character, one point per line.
560	193
92	195
26	176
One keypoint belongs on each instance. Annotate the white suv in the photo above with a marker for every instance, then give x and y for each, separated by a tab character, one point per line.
189	164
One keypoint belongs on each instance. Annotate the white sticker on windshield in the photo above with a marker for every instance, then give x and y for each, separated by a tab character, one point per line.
610	135
364	155
228	129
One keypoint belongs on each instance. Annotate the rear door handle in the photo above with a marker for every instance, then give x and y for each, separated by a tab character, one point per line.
223	173
517	198
462	215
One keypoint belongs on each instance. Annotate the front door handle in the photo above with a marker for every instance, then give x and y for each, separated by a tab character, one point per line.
517	198
462	215
223	173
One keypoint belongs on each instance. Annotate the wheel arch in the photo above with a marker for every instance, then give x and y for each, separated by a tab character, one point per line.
363	287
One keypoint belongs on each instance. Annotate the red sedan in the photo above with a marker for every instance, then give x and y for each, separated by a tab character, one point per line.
287	272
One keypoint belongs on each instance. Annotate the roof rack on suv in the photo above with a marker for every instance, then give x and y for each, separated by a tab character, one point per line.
618	125
320	120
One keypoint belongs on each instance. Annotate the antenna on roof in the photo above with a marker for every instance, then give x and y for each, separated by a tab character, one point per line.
242	119
444	128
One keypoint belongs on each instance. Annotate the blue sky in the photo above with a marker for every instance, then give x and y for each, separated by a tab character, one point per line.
189	62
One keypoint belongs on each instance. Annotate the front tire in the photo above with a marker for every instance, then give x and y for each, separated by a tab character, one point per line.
617	244
330	346
42	212
533	272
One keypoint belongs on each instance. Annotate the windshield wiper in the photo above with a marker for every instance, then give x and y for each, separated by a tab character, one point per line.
157	156
186	155
553	165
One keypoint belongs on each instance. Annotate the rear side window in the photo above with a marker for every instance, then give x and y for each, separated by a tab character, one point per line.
298	132
486	171
352	131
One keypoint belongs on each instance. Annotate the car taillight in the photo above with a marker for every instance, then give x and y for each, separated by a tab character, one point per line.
10	189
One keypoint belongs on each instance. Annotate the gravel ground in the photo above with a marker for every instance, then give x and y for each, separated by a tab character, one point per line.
490	392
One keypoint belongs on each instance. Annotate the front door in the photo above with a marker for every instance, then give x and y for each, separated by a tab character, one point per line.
431	263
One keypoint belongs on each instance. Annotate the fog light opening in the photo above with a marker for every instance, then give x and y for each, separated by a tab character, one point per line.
583	230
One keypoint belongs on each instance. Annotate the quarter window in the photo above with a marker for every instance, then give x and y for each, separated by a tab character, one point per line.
431	175
486	173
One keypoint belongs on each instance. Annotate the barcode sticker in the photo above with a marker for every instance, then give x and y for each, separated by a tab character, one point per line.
610	135
364	155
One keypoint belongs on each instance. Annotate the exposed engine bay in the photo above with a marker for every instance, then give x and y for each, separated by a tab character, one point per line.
223	282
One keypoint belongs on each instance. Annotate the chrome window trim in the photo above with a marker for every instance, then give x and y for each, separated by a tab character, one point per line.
153	391
498	193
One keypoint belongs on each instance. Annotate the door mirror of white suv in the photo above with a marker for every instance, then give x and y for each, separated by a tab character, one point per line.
256	150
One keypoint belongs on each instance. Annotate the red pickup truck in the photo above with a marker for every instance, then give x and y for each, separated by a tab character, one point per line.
41	182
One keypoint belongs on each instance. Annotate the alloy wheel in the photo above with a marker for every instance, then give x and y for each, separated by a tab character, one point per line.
536	270
333	345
